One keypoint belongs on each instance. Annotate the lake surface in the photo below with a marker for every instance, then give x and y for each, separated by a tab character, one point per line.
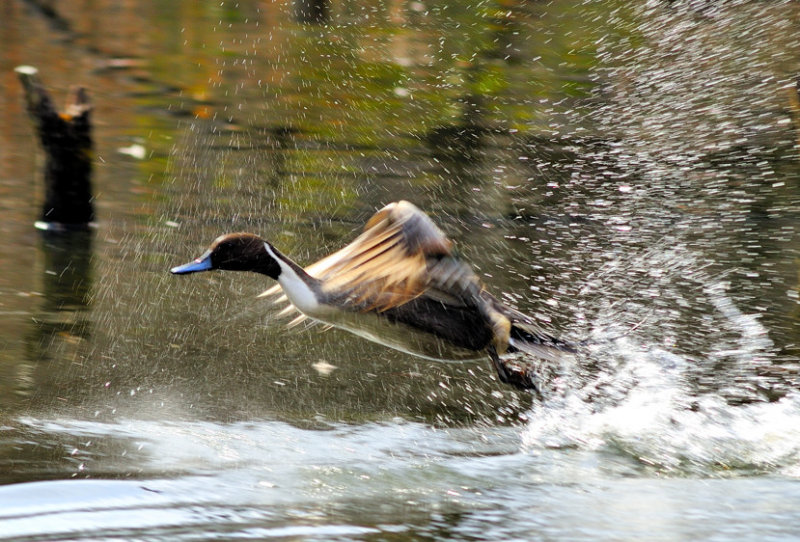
627	172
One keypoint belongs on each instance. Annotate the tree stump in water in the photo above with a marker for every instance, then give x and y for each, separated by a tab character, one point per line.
67	142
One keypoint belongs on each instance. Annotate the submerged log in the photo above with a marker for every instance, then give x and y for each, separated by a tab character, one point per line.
67	142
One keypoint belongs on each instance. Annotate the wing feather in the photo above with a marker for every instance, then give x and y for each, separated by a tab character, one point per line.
387	265
400	255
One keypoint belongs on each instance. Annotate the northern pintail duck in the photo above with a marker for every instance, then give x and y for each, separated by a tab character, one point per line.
398	284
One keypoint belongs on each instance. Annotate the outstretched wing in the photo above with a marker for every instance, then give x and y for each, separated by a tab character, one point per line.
400	255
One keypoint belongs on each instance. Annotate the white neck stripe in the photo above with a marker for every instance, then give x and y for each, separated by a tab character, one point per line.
296	289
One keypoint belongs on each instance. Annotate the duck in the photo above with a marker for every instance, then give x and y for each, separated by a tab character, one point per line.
399	284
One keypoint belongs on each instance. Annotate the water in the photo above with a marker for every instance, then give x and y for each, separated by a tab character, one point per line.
622	170
393	479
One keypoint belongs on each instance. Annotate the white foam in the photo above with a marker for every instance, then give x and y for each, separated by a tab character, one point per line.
653	417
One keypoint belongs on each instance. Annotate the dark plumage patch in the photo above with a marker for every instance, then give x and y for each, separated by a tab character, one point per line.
243	252
461	326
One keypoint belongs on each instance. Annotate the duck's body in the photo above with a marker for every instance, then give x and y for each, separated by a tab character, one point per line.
397	284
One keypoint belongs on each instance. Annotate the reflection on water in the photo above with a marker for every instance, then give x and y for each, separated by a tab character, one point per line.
59	326
600	165
67	277
63	319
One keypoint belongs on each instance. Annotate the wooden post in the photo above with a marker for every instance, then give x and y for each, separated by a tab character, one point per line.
67	142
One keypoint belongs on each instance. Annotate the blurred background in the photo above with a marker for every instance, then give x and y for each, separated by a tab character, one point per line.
600	164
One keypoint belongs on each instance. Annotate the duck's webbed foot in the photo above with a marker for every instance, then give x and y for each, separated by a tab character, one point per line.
520	376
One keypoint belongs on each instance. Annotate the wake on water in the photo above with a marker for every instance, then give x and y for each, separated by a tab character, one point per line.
641	400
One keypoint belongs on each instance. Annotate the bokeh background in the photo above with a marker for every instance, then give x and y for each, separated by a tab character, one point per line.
603	165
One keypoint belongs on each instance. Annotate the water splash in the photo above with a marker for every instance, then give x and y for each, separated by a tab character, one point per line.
647	410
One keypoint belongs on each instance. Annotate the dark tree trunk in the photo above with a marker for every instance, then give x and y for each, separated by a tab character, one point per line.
67	142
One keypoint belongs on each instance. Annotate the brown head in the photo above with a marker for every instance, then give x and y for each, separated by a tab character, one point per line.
235	252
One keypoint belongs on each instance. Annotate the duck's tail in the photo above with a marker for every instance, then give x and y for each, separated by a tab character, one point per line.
538	344
530	339
526	338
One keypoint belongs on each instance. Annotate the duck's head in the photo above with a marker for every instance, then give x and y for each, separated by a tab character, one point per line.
235	252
